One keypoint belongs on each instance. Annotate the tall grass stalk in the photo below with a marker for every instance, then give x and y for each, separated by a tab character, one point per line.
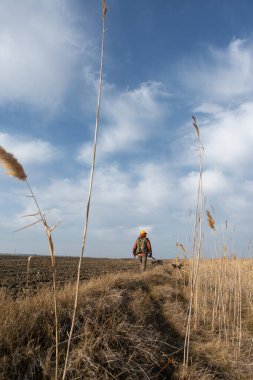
89	192
15	169
197	250
48	231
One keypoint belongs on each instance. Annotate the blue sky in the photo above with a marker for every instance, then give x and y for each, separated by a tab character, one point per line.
164	61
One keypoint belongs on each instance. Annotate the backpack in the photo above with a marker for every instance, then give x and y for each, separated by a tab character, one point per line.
142	245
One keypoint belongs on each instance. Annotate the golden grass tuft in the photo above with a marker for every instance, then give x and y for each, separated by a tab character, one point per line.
210	220
11	165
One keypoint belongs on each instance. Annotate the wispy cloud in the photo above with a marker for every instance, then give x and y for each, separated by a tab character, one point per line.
229	139
130	118
223	74
39	47
29	150
120	202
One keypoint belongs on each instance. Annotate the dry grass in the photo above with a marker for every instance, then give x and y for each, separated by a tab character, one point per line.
224	315
132	326
193	322
197	249
119	330
15	169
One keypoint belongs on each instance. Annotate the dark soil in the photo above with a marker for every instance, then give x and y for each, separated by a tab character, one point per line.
13	271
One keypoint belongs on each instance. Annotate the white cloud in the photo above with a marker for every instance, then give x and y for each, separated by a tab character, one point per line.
228	139
150	196
226	74
149	193
85	153
143	191
209	108
134	231
38	51
224	82
121	204
155	188
27	150
214	183
130	118
227	136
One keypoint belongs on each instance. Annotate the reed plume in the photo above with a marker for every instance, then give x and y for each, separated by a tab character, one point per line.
11	165
180	245
104	9
194	122
210	220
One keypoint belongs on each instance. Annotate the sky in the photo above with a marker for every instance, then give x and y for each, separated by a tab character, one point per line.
164	62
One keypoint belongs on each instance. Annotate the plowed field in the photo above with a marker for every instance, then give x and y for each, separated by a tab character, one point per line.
13	271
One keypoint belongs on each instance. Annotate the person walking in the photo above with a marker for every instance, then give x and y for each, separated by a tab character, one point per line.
142	248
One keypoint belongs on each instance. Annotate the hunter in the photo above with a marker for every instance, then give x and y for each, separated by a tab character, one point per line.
142	248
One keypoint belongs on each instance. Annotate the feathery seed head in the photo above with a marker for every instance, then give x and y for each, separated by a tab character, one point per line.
180	245
104	9
210	220
11	165
194	122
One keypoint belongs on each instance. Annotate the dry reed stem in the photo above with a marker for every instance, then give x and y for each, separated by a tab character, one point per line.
221	284
28	270
48	231
197	250
11	165
15	169
89	193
